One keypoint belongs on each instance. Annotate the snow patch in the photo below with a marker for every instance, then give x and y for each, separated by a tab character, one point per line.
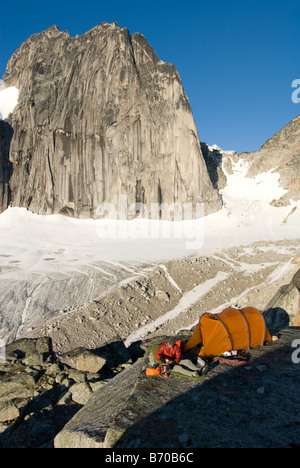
217	148
170	279
8	100
264	188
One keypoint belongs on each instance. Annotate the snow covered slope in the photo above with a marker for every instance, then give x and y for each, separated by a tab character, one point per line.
252	201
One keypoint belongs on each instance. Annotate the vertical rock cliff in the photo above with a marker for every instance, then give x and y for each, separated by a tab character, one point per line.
100	116
6	134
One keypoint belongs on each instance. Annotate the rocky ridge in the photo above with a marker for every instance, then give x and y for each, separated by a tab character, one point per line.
280	154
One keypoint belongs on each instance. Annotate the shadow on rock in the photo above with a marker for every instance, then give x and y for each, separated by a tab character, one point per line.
276	319
251	406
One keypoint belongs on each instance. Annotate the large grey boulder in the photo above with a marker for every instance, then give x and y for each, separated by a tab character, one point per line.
83	360
17	386
284	308
29	347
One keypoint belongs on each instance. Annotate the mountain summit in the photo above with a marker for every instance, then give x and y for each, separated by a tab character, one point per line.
100	116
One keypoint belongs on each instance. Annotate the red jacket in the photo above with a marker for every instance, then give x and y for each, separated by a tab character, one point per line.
170	354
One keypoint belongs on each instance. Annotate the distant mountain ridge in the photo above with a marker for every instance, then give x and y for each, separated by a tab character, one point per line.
280	154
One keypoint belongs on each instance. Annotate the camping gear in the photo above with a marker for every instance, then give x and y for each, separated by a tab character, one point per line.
230	330
154	350
200	362
230	362
153	371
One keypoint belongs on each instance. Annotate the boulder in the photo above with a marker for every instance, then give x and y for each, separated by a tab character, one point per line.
36	348
20	385
8	411
88	428
83	360
284	308
81	393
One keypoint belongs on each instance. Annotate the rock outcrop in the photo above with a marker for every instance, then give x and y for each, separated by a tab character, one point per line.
214	161
280	154
100	116
284	308
6	134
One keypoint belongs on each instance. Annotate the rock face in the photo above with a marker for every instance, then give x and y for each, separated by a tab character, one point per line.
281	154
99	116
6	133
214	160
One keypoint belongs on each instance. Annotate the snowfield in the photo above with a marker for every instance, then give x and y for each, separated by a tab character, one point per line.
32	243
51	263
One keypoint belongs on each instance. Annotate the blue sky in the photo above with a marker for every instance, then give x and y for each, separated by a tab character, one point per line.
237	59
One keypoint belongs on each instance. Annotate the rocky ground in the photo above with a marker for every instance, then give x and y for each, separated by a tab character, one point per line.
252	406
42	389
40	393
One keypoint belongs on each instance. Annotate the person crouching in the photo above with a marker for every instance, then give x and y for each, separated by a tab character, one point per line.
170	355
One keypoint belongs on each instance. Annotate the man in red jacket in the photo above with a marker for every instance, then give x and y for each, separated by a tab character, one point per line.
169	354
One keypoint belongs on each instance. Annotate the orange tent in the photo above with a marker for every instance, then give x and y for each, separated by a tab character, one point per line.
232	329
